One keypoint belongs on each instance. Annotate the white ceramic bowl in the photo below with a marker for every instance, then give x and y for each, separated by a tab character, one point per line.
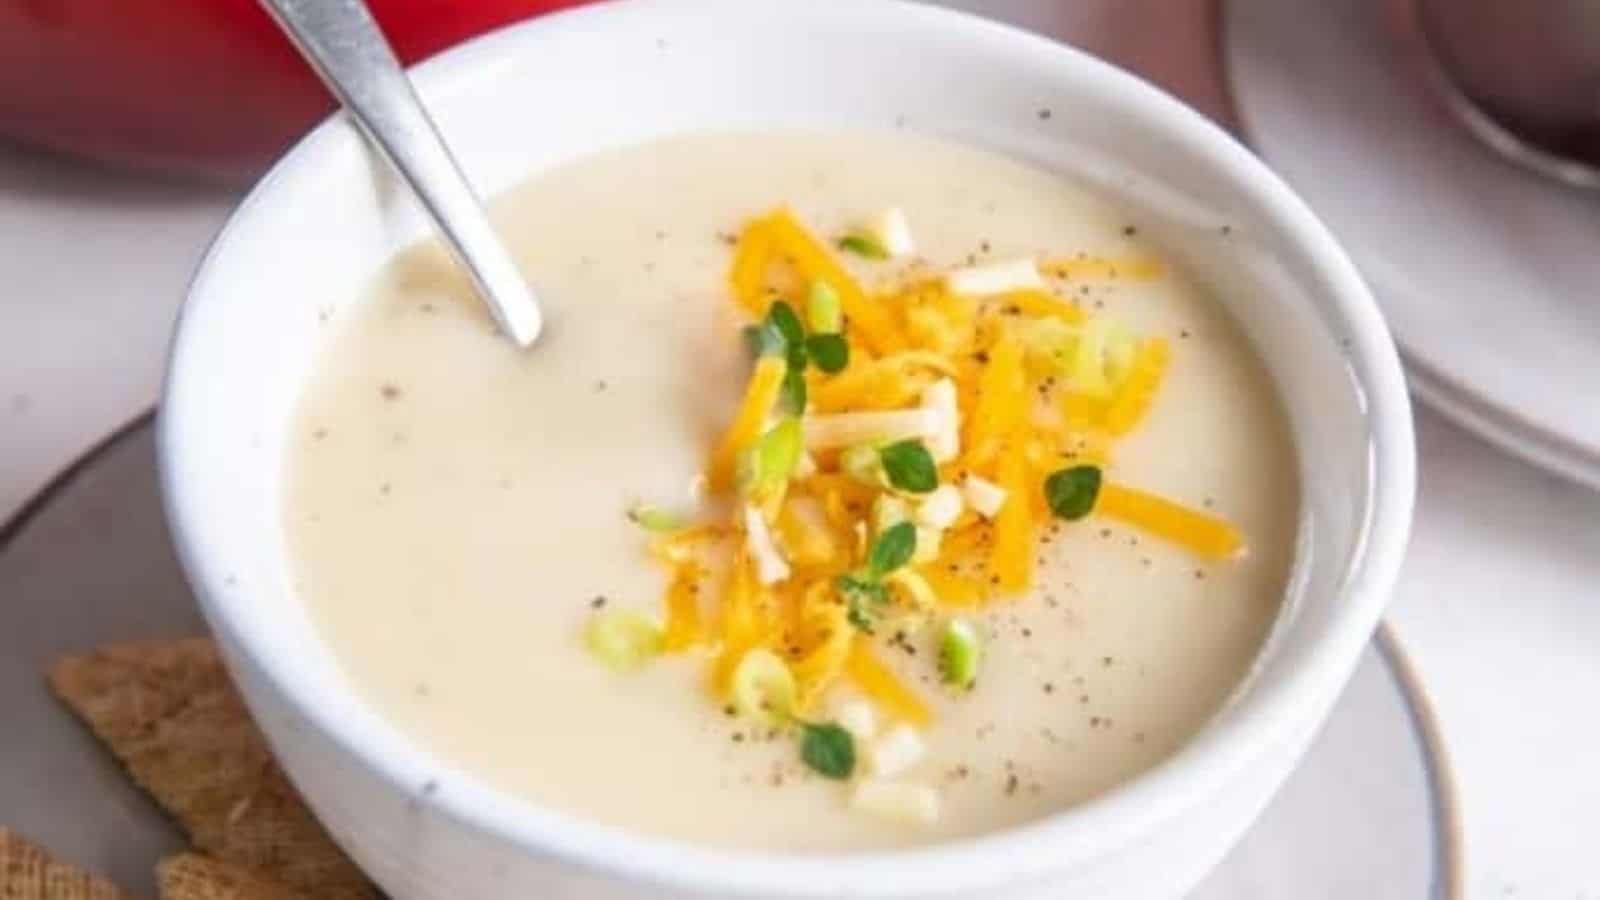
305	242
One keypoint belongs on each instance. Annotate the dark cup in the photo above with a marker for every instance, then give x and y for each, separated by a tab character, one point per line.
1525	76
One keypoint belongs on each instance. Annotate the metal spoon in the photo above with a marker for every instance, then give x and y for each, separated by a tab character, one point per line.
345	47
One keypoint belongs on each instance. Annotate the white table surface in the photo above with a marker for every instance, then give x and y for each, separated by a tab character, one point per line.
1499	602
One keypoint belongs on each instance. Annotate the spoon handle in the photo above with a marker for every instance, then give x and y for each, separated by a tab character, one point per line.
343	44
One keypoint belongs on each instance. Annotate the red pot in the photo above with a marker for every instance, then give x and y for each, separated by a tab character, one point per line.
198	88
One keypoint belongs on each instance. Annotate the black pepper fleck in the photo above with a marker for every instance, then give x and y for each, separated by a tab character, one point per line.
390	391
1044	113
598	601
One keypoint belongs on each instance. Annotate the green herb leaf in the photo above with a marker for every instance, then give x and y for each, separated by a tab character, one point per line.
829	750
764	339
792	395
796	357
824	311
892	549
783	317
865	599
861	245
830	352
909	466
1071	492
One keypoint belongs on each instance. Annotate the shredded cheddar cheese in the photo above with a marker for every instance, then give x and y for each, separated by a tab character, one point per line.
1206	535
958	415
1138	268
879	682
759	398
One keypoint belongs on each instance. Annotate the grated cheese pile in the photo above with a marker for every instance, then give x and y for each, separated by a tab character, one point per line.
895	455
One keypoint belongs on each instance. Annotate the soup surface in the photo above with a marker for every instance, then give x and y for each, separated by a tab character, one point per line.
456	508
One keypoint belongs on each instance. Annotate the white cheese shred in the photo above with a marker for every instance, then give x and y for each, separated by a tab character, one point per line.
771	567
994	278
912	804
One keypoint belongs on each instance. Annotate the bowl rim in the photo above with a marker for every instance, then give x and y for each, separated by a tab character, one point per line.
1091	829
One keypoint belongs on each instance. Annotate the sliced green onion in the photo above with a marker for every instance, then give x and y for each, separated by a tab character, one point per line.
1089	359
763	688
960	654
767	464
862	245
861	463
1121	348
623	639
823	310
655	518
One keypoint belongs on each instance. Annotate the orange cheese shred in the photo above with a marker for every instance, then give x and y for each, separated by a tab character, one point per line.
1133	397
1035	302
831	639
879	682
1204	534
1011	557
952	589
1133	268
759	395
683	609
750	257
1002	399
872	321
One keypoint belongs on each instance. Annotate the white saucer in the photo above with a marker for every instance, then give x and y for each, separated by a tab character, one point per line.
1369	814
1489	274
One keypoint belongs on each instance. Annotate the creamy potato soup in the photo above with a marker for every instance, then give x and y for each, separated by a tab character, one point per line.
863	491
